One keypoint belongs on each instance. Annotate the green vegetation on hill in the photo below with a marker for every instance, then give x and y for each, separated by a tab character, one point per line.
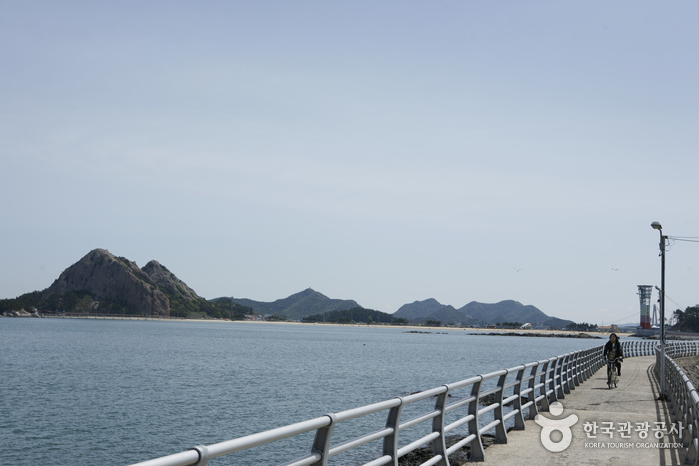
299	305
356	314
687	320
72	301
27	301
82	302
582	327
509	324
418	310
223	309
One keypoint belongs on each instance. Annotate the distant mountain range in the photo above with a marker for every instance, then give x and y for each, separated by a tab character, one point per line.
101	282
475	313
297	306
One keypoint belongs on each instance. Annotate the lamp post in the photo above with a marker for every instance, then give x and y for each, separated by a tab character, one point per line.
659	227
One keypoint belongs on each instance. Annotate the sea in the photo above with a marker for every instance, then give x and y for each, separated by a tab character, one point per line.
117	392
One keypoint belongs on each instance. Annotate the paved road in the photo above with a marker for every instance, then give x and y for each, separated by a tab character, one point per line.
634	402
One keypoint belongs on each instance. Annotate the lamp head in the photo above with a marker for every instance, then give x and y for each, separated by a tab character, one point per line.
656	225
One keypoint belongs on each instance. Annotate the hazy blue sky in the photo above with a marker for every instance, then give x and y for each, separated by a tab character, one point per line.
380	151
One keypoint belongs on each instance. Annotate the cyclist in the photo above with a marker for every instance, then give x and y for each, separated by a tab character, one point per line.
613	355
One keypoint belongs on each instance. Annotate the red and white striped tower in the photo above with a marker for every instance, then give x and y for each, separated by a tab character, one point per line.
644	293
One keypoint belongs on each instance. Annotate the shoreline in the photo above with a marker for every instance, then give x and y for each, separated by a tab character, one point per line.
472	330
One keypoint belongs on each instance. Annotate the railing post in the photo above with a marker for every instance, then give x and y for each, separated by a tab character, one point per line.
594	360
321	443
477	451
673	388
589	363
517	390
684	399
577	377
546	402
562	372
500	431
390	442
439	444
689	436
534	409
558	378
585	365
568	384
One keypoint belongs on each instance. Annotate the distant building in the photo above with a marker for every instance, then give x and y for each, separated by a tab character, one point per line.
609	328
527	325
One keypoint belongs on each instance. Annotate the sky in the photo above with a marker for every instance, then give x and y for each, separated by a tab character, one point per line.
385	152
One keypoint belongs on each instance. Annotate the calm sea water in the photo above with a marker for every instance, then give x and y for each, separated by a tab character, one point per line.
109	392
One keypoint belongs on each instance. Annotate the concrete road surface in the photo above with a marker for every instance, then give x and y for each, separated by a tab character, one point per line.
622	426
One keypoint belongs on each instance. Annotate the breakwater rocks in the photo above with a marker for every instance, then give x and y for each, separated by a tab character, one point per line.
458	458
539	335
690	366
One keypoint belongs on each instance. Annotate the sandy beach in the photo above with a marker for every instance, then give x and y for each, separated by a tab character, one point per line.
603	335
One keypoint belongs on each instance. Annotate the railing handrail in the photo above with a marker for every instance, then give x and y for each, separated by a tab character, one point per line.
536	383
683	400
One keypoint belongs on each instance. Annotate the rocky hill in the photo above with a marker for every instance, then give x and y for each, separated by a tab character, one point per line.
449	314
105	276
101	282
297	306
167	280
419	309
504	311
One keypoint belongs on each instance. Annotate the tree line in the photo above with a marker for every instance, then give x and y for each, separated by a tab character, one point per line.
582	327
687	320
356	315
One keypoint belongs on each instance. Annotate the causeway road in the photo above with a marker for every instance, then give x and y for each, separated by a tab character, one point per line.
614	427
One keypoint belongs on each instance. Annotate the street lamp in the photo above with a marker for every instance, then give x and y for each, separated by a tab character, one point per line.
659	227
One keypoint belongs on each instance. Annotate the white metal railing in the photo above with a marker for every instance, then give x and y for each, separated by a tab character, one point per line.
683	400
638	348
527	388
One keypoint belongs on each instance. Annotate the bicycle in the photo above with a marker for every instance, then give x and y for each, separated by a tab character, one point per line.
612	378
